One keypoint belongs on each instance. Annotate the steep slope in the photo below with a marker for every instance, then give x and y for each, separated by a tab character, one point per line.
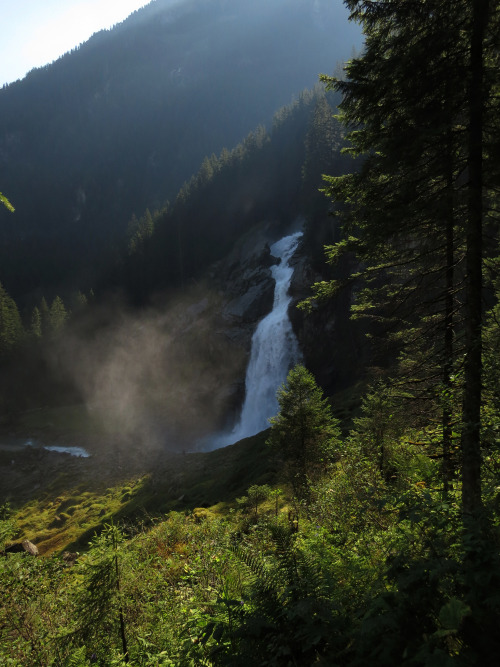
119	123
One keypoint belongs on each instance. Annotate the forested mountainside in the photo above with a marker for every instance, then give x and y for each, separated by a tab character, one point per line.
121	122
271	176
181	255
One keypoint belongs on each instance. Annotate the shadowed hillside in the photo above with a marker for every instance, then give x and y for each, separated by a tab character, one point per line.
121	122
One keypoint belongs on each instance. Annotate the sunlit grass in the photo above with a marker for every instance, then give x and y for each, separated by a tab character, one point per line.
55	523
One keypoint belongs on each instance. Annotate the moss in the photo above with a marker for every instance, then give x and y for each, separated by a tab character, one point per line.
206	484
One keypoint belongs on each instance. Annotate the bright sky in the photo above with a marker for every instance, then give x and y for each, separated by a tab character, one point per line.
36	32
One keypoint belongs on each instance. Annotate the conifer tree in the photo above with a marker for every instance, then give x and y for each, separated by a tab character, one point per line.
57	315
45	316
99	603
414	103
304	433
36	323
11	328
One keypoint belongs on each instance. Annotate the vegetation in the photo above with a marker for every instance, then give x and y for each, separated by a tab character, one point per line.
304	434
371	565
268	176
6	203
350	536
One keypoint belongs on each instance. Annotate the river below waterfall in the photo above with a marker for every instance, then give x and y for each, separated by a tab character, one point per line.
274	351
14	445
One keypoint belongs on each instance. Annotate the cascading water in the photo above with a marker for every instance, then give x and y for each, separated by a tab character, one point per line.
274	351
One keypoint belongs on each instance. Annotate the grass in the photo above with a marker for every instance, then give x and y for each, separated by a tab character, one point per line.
65	517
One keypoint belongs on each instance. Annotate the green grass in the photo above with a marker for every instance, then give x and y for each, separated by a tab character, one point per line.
66	517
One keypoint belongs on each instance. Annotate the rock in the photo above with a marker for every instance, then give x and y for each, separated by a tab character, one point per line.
338	356
30	548
245	282
250	306
70	557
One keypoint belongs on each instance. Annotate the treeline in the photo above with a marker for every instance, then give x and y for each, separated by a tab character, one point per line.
27	379
270	176
44	320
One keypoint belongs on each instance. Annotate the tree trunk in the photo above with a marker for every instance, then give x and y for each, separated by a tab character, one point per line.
471	426
448	323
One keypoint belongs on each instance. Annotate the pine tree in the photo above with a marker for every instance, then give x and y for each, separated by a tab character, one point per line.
99	604
414	103
304	433
36	323
11	328
57	315
45	316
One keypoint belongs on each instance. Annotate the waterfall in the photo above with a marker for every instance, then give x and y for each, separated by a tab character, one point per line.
274	351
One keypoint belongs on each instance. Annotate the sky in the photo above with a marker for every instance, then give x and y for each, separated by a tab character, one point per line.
36	32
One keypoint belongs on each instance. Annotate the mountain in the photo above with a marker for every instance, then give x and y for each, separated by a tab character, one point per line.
118	124
167	338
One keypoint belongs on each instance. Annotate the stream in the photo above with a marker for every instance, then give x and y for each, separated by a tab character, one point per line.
19	444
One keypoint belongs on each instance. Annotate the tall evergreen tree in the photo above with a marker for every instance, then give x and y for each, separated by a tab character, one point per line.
11	328
413	103
57	315
36	323
304	433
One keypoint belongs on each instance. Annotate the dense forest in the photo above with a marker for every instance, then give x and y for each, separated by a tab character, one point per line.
363	527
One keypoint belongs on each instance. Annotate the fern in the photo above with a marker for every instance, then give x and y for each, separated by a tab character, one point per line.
289	617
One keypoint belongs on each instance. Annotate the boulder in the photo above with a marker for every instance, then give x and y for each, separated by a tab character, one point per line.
30	548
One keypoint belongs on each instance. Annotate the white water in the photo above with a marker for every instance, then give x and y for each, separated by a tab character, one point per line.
74	451
18	444
274	351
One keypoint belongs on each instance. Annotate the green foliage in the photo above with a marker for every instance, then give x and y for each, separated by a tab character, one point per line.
415	212
36	323
7	525
57	315
99	605
6	203
289	615
379	572
32	602
11	328
304	434
256	494
139	231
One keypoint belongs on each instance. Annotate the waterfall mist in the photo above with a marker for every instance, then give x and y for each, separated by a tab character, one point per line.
157	377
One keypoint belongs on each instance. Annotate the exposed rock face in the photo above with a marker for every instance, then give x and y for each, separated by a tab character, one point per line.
332	345
246	283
